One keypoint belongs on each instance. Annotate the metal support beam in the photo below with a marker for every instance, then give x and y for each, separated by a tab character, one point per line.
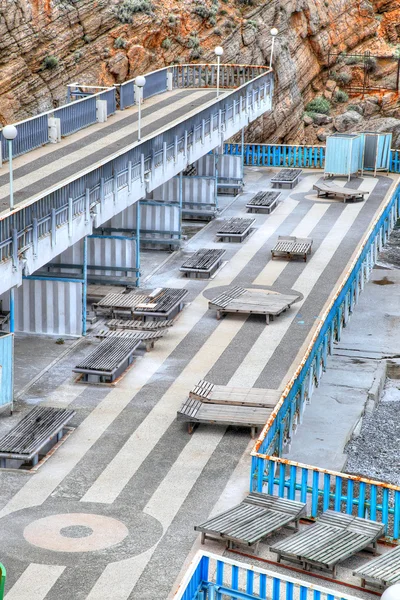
84	285
216	177
137	244
180	197
12	311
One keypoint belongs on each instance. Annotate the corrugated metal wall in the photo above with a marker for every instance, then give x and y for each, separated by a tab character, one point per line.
103	252
227	166
6	370
198	190
159	222
52	307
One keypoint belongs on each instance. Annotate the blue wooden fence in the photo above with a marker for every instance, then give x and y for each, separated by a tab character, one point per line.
288	412
211	577
281	155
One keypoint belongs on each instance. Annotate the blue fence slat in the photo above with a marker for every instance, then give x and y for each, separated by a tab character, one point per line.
77	115
156	83
127	95
110	98
31	134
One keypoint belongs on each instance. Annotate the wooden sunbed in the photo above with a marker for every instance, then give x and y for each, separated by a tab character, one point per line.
330	189
381	572
251	301
249	522
289	247
334	537
286	177
224	394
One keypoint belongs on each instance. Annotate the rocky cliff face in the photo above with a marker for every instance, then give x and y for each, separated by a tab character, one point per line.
45	44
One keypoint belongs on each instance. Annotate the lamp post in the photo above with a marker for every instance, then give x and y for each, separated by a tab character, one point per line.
10	133
392	593
274	32
218	52
140	82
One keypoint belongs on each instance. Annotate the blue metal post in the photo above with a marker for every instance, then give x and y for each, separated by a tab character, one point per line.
11	174
180	199
138	243
216	177
84	285
12	311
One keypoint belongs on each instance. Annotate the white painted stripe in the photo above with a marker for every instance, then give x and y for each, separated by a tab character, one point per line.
272	335
38	488
274	268
35	582
174	489
94	146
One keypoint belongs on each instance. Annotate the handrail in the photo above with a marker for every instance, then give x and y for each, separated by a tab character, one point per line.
104	161
319	326
224	576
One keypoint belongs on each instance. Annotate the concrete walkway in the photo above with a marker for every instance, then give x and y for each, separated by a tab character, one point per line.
39	170
114	507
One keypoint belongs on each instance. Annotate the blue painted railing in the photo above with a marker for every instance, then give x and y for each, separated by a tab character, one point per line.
288	413
77	115
211	577
281	155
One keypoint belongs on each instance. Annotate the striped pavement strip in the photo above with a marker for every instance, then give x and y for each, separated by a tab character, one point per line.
39	488
124	465
90	148
274	268
35	582
165	503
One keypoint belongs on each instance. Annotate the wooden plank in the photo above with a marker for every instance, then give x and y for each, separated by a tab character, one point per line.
221	394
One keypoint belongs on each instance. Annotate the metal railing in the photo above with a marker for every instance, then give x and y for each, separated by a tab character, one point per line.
284	155
210	577
34	132
26	225
205	75
287	414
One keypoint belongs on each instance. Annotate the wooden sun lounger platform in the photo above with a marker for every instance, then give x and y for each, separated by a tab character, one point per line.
286	177
147	338
115	304
203	263
235	396
249	522
334	537
194	411
136	325
381	572
163	303
263	202
290	247
40	427
330	189
235	229
251	302
108	361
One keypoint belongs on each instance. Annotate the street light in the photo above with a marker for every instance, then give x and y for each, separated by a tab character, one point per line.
392	593
274	32
218	52
10	133
140	82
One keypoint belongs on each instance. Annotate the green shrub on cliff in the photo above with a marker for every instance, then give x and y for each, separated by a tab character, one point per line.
127	8
50	62
341	96
319	105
